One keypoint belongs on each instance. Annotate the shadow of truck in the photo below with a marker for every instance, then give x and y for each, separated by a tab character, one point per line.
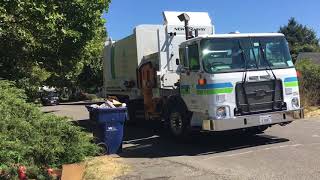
150	141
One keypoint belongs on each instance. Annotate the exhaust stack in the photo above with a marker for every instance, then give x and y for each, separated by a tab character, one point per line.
184	17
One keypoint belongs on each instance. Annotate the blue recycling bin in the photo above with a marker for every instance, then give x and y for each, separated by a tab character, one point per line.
109	123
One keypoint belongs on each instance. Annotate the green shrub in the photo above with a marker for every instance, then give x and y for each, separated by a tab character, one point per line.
35	139
309	82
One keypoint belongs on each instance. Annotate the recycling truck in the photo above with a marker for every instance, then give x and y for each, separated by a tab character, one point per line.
185	75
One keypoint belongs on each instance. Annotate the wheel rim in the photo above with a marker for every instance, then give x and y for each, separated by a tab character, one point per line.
176	124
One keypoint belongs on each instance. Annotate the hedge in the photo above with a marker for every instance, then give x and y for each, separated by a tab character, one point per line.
36	140
309	82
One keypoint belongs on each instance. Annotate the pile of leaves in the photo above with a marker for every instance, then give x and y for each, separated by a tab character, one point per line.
105	168
309	82
34	139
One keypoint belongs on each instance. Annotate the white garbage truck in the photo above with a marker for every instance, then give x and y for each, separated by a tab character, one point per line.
185	75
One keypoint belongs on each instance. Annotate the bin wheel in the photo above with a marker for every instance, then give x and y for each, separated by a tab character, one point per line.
104	148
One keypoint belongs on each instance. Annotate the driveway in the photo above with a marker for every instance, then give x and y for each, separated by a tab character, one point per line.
290	152
74	110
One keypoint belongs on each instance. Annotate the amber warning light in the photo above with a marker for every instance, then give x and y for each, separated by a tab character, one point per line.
202	82
299	75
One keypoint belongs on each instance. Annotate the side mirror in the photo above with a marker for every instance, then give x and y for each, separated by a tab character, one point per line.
177	61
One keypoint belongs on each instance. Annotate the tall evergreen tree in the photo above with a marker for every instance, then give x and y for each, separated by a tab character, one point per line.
300	38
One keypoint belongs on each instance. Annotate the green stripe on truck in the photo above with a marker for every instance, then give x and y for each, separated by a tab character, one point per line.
291	84
215	91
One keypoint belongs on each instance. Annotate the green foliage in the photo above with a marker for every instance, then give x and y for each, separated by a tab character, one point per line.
309	82
91	78
300	38
34	139
49	42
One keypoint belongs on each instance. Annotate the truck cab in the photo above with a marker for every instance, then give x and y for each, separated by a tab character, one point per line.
238	81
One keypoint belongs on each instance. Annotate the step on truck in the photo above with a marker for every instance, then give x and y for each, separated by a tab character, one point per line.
185	75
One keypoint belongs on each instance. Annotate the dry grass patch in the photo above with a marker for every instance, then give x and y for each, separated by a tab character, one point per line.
312	111
104	168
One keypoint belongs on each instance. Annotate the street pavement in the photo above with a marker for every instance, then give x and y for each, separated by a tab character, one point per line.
290	153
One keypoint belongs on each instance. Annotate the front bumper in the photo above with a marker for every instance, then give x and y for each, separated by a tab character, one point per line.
241	122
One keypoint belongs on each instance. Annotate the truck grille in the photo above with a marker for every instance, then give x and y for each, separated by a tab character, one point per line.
256	97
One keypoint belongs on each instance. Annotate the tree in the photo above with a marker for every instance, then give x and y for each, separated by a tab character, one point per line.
300	38
91	77
35	139
48	41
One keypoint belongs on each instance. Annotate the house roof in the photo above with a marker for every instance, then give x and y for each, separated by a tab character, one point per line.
312	56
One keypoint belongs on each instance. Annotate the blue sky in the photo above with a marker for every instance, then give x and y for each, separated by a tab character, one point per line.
227	15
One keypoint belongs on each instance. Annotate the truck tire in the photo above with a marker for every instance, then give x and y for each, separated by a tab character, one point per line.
178	121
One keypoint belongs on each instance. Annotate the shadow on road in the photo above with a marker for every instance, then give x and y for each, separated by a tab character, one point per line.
148	141
145	142
50	111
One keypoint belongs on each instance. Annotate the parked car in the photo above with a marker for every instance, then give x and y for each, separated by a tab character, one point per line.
49	98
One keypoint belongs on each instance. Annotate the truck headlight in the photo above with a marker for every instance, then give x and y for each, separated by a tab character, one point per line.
295	103
221	113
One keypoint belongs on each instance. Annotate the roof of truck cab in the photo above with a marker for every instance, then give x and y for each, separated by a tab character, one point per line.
236	35
242	35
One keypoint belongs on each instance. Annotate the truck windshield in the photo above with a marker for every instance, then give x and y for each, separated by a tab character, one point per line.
237	54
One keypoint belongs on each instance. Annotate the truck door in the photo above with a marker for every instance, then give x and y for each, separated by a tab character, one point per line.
189	76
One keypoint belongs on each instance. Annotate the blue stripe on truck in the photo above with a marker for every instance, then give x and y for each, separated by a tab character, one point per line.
290	79
216	85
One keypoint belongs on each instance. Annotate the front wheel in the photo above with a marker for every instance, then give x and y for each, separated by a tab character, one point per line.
178	124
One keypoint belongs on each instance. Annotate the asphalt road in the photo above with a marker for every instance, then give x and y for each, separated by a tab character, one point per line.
291	152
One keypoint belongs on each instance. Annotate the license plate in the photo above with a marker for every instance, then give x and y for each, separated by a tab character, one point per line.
265	119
